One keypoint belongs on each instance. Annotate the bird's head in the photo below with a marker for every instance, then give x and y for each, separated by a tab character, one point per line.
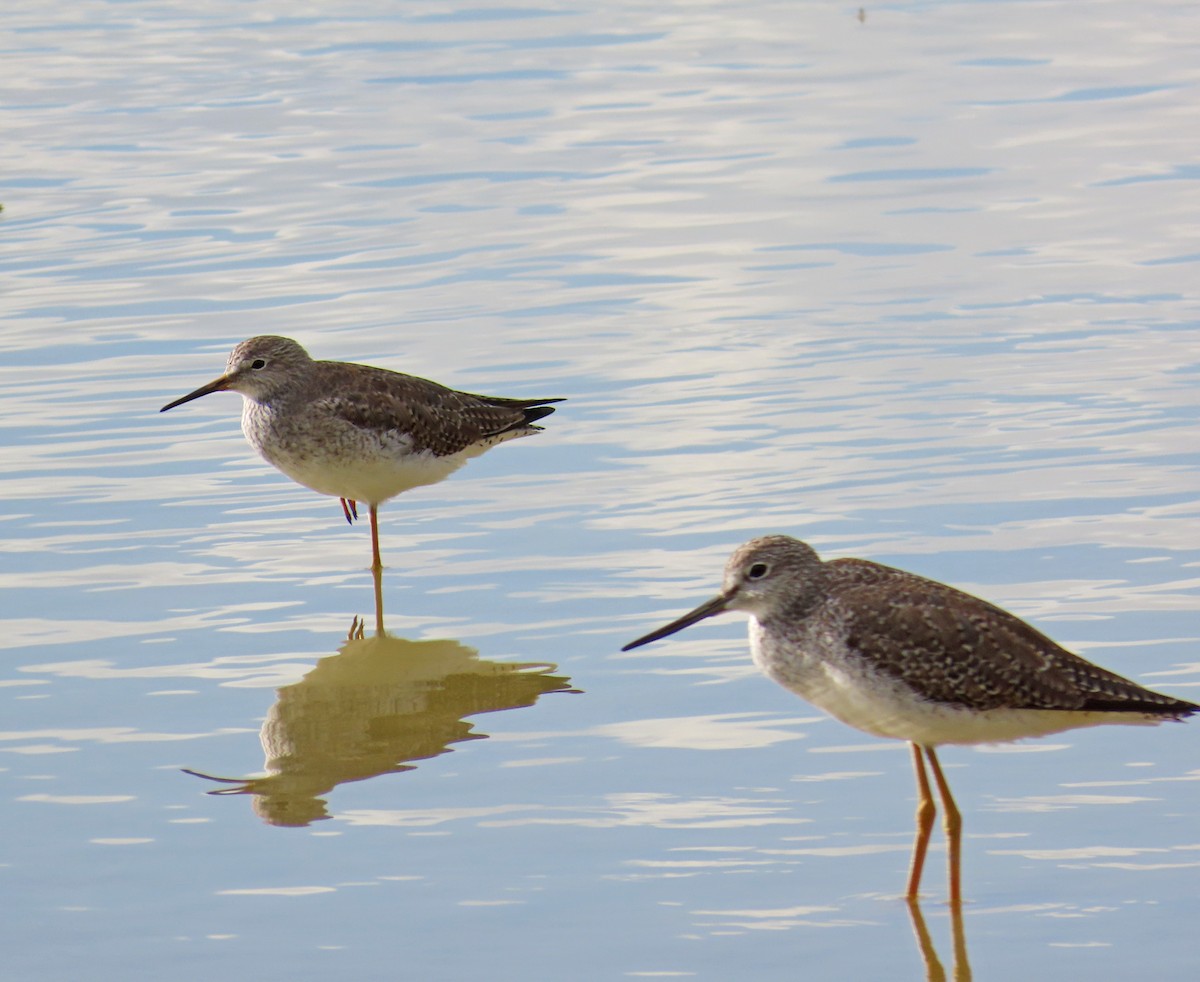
768	574
258	368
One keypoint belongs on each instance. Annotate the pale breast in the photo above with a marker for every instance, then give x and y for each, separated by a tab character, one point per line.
335	458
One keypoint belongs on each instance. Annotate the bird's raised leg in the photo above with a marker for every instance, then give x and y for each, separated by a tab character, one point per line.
349	509
952	823
376	562
926	812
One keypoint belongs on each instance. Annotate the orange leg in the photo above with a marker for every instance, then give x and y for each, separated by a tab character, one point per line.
349	509
926	812
952	823
376	562
377	576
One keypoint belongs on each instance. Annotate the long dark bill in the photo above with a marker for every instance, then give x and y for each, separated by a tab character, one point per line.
216	385
717	605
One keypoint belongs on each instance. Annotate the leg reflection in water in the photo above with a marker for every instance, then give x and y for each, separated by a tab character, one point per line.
934	972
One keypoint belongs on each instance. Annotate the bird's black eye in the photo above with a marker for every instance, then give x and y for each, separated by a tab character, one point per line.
258	363
757	571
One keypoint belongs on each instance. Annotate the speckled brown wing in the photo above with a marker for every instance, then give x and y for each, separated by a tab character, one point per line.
438	419
954	648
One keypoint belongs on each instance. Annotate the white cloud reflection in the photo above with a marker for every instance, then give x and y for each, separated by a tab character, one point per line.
613	811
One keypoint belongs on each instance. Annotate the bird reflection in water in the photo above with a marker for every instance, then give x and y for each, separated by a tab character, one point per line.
377	705
934	972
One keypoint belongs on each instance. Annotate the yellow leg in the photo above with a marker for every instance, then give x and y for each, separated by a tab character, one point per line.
926	812
377	576
952	822
376	562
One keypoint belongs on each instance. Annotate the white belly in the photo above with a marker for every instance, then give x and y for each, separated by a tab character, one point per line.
373	480
347	462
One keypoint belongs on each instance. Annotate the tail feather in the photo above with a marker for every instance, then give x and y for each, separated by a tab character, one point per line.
531	409
534	413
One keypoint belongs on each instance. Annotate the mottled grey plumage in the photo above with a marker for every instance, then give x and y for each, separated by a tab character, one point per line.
900	656
953	648
361	433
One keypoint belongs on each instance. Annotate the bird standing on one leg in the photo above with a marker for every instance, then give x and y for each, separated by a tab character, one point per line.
360	433
900	656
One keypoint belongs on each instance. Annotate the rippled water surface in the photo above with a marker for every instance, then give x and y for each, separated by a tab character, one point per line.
915	282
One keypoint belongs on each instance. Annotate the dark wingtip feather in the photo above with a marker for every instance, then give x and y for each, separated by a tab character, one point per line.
534	413
1146	701
1183	709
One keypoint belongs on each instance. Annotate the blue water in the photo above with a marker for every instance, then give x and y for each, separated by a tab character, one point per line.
917	287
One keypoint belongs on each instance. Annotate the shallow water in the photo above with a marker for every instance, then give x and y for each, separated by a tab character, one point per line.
918	287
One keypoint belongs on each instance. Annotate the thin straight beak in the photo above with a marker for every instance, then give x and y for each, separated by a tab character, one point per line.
216	385
717	605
